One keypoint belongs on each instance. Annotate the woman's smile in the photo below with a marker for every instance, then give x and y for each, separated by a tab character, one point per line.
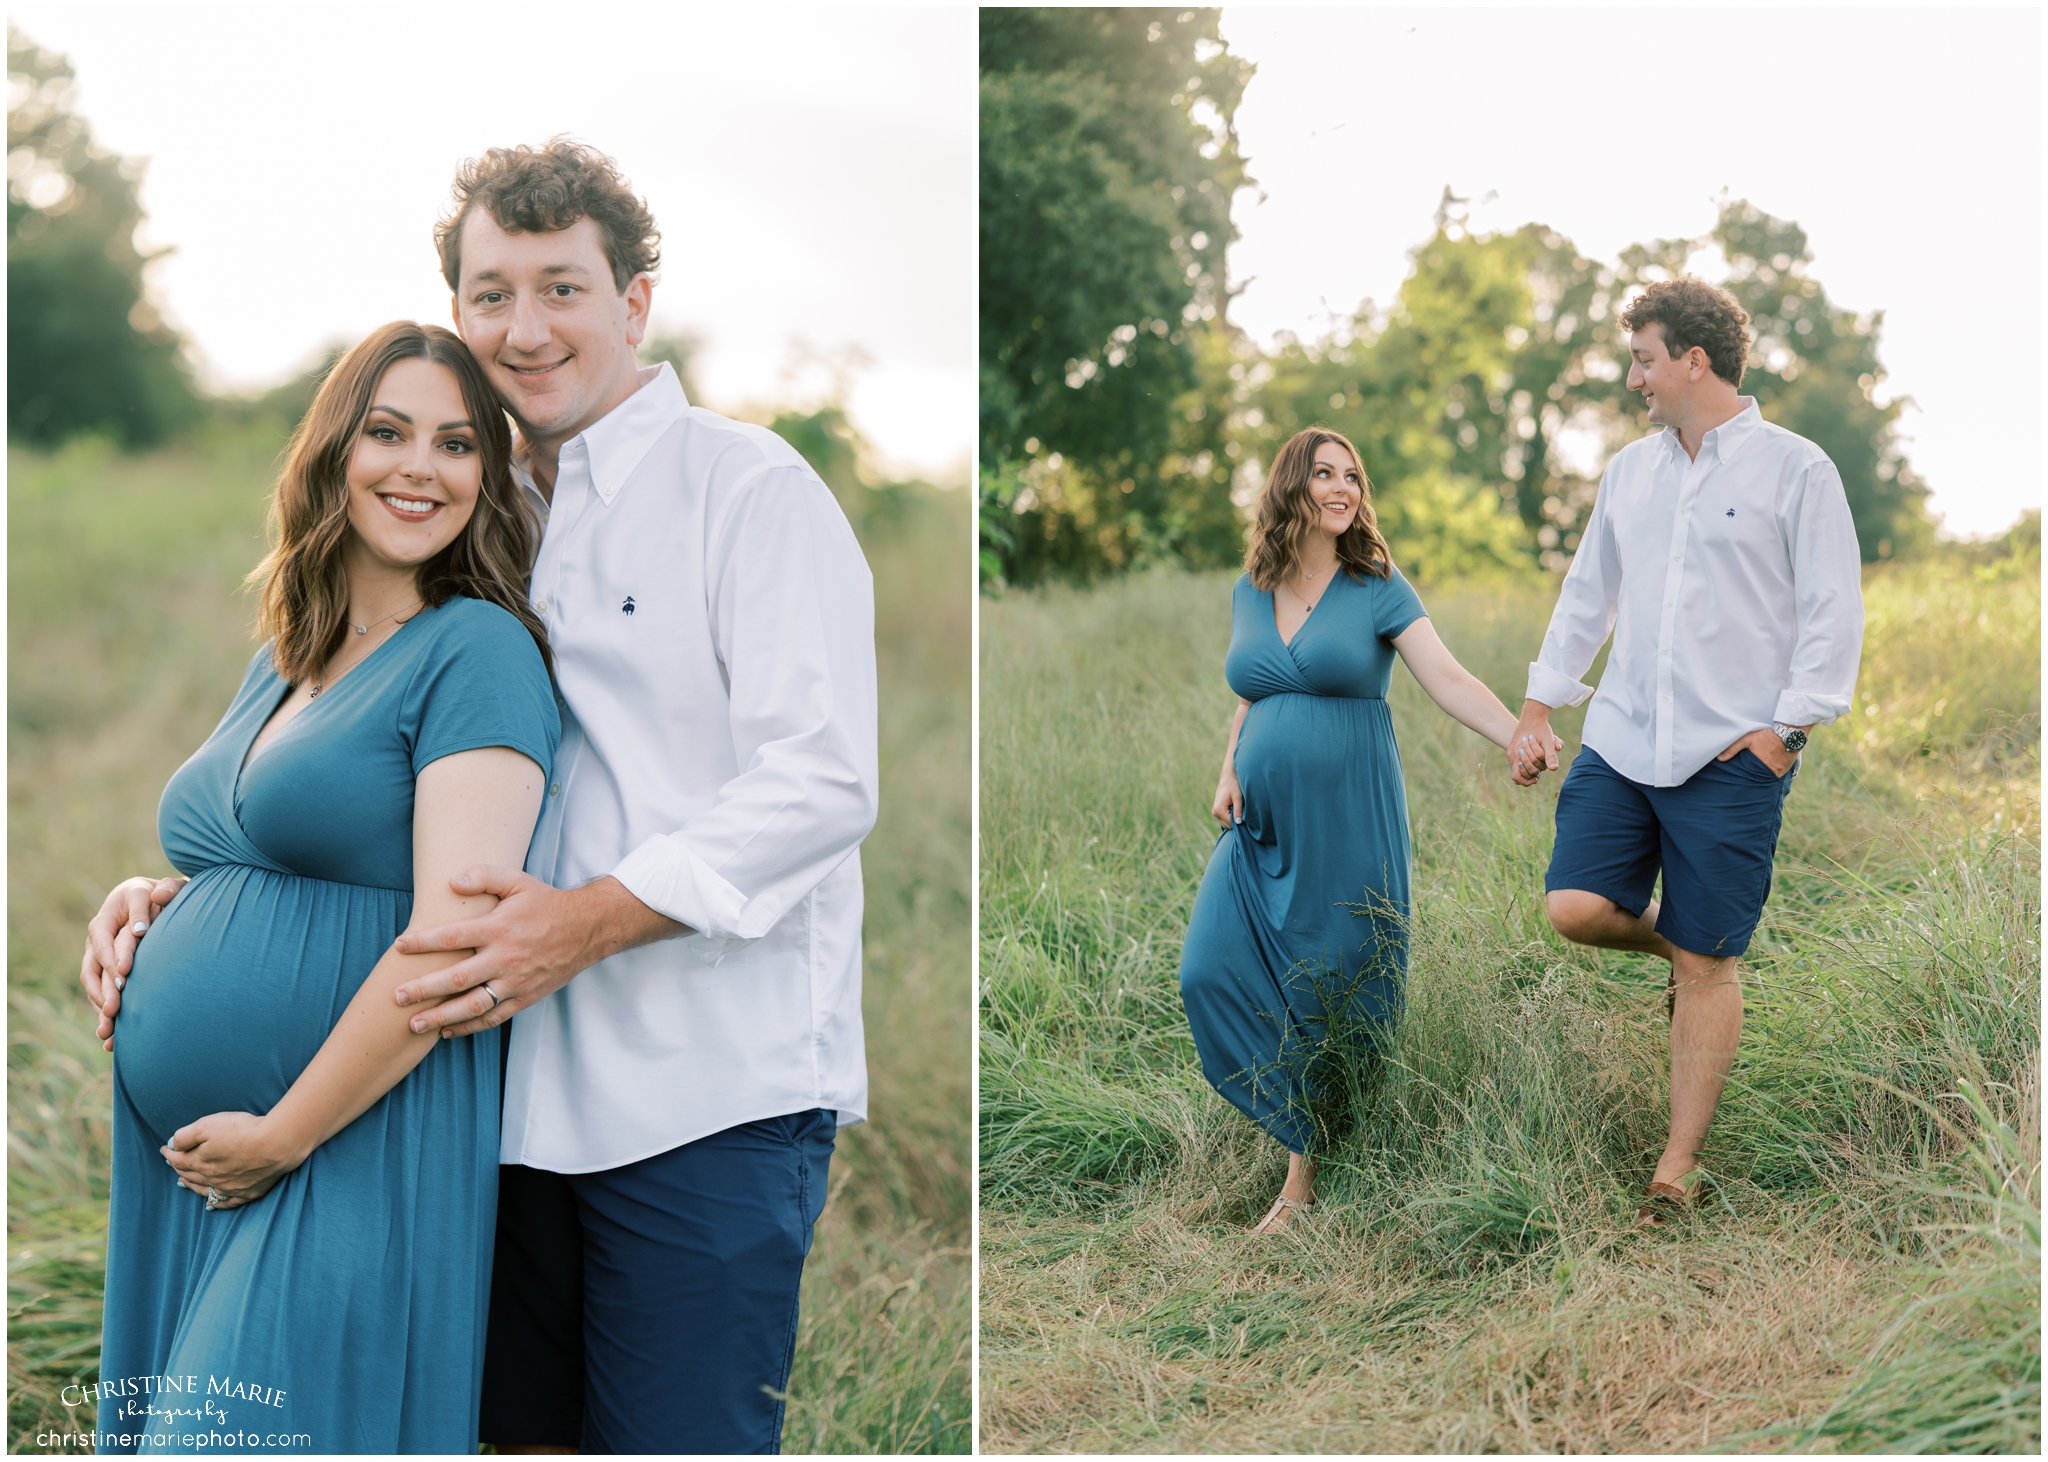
409	509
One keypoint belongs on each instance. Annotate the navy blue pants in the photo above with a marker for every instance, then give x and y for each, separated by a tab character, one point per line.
652	1308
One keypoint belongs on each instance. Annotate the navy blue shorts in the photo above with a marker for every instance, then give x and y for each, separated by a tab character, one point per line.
1713	836
652	1308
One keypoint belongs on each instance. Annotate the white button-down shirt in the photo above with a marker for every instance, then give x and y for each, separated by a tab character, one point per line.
1733	587
712	621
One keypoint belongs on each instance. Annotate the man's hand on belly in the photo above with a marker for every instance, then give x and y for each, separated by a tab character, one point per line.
534	942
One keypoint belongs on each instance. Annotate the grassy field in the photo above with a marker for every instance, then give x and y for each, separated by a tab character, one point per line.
126	638
1869	1276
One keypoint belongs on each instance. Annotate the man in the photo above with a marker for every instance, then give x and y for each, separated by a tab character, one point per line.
683	950
1722	556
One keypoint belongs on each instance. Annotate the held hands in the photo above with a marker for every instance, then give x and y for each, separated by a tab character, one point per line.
110	941
1532	746
229	1158
1769	748
1228	807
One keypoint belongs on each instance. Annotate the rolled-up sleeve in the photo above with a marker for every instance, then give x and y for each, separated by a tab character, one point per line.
792	616
1584	615
1827	581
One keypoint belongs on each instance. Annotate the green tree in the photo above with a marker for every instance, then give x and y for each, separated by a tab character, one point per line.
1495	345
1108	161
1499	346
86	352
1814	370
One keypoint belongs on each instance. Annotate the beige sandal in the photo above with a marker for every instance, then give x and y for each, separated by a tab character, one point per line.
1281	1205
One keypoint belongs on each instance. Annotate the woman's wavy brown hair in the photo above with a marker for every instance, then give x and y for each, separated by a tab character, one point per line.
1287	514
303	584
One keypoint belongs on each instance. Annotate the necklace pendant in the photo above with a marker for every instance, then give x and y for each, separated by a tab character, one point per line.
361	629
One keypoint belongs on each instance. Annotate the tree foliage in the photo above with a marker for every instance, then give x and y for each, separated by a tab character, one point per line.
1108	162
1485	398
1814	370
1458	394
86	351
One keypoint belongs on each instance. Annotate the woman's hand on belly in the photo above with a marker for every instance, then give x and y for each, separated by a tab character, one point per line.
236	1154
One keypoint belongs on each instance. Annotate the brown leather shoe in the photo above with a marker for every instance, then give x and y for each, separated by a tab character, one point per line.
1663	1202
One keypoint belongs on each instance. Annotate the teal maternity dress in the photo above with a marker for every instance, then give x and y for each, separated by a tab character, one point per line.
344	1310
1302	913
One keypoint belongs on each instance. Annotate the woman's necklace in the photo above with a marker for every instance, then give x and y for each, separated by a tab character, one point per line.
1307	606
363	629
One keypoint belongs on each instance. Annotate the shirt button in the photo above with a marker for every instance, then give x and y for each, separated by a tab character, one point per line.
1667	603
556	789
540	606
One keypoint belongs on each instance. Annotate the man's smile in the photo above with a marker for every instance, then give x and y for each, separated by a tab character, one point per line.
535	372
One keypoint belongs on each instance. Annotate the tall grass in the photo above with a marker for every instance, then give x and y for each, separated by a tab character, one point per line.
126	637
1867	1274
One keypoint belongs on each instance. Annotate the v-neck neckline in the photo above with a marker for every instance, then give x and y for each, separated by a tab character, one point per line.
1287	642
250	756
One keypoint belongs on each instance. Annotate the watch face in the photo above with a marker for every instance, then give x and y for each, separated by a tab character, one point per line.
1795	741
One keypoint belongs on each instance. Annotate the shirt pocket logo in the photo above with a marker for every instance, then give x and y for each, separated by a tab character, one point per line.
627	607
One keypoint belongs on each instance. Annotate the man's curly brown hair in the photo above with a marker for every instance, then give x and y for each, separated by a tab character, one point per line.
544	189
1694	312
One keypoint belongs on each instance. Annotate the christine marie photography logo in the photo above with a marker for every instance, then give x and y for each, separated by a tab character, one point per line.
183	1412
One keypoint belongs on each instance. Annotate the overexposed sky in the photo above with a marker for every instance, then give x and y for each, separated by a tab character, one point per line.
1907	143
813	174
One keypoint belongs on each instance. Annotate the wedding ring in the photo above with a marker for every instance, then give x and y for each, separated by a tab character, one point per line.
213	1198
492	993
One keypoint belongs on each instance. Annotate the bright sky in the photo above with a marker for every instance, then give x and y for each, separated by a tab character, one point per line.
1906	142
813	173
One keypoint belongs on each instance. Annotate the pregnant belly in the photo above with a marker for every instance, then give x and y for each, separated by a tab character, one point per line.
1303	760
236	986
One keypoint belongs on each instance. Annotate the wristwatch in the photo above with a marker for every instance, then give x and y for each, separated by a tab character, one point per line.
1794	737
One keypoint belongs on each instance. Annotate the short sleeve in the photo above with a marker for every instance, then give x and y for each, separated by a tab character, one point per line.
480	683
1396	605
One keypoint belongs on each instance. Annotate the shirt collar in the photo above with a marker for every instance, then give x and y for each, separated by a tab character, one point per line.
1727	438
617	442
620	439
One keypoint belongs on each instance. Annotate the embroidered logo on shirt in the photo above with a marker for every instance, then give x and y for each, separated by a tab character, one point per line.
627	607
1731	512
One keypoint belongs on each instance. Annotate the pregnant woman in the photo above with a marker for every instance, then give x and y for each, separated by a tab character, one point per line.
1301	920
310	1271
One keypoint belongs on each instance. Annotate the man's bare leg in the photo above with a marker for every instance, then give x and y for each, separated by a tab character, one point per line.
1589	918
1706	1026
1706	1015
